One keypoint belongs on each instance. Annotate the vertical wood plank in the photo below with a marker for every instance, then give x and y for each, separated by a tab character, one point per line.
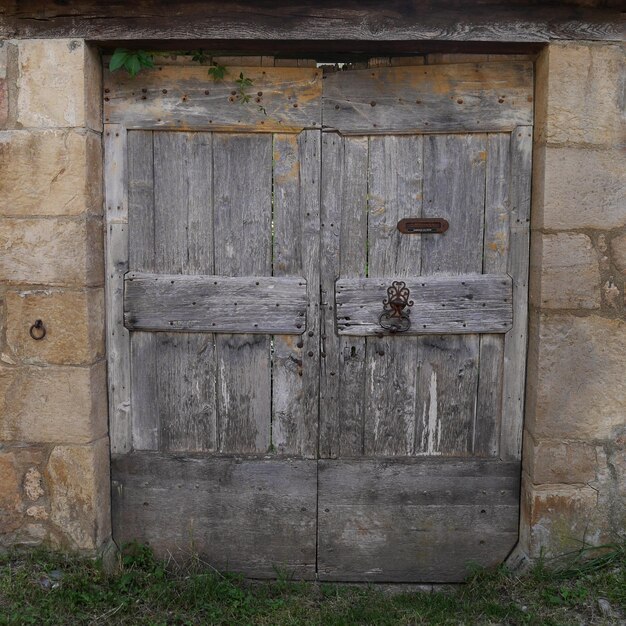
117	337
515	341
144	405
344	236
353	262
242	171
295	366
395	191
184	245
332	181
495	256
454	188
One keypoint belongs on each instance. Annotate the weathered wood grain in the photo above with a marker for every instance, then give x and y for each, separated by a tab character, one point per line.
463	97
344	253
117	338
296	249
141	256
454	189
469	303
183	242
280	99
218	24
495	255
170	302
253	516
515	341
403	520
394	191
242	175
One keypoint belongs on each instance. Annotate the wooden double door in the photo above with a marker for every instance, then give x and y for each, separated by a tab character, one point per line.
264	411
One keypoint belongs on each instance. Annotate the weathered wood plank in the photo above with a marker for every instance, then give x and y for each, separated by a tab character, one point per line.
515	341
469	303
185	363
344	237
495	255
352	221
282	22
394	191
406	520
454	189
295	364
141	251
117	337
256	304
186	97
253	516
463	97
242	174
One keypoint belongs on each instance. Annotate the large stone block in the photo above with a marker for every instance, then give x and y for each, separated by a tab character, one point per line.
11	507
4	103
58	251
78	481
52	172
578	188
53	404
74	322
4	58
565	462
565	272
618	251
580	94
562	518
58	84
4	91
576	384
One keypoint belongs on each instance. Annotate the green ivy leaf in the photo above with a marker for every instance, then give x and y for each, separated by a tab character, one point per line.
132	64
146	59
118	59
199	56
217	72
131	61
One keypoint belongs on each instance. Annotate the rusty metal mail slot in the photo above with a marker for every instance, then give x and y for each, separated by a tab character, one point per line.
470	303
215	304
422	226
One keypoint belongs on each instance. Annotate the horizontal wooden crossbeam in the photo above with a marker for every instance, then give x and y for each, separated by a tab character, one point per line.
215	304
473	303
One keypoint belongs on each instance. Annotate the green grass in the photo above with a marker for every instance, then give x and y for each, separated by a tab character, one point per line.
48	588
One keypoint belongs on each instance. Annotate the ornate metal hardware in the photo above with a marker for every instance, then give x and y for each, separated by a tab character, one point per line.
395	315
422	226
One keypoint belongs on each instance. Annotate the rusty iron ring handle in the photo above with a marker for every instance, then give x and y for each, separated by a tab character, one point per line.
37	330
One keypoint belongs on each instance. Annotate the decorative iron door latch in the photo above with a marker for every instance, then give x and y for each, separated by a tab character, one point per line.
395	315
423	226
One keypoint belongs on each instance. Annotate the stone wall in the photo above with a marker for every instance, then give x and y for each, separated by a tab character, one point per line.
575	425
54	477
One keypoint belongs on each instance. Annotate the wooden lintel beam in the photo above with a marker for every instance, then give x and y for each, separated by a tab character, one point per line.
320	21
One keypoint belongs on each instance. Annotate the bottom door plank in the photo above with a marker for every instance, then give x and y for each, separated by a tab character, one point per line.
254	516
414	520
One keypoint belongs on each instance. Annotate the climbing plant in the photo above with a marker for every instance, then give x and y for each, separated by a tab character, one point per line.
133	61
